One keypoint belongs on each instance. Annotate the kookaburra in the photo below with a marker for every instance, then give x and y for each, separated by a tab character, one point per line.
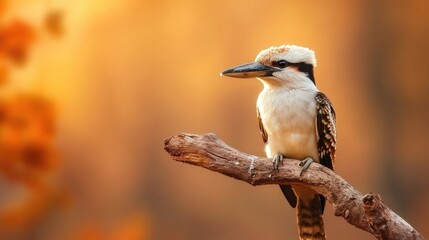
296	121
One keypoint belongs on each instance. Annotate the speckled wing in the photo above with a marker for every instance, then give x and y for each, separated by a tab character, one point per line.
326	130
326	134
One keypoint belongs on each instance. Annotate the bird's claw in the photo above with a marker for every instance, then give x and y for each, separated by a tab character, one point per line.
277	159
305	164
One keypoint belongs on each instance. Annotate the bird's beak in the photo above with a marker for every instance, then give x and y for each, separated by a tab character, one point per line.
249	70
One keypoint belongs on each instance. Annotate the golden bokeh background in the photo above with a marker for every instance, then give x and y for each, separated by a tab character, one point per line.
117	77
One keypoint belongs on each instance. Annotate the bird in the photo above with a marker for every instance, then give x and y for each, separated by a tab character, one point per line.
296	121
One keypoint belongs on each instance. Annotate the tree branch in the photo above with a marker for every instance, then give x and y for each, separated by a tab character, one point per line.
366	212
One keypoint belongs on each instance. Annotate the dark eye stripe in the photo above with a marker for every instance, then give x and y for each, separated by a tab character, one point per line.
305	68
302	67
280	64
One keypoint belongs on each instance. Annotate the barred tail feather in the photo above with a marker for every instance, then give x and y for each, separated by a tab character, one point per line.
309	216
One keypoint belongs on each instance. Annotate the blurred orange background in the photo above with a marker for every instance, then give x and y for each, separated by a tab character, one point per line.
90	89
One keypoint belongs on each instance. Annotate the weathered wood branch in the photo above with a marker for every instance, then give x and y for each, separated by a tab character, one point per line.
366	212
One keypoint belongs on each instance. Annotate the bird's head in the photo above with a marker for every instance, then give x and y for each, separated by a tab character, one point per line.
287	66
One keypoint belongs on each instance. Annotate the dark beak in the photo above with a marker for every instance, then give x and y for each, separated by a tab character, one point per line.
249	70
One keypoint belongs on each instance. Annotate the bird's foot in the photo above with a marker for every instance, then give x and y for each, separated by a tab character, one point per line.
305	164
277	159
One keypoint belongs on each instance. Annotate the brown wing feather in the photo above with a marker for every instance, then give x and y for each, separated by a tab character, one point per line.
326	134
261	126
326	130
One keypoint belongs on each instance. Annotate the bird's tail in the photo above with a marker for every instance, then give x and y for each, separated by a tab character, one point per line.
309	216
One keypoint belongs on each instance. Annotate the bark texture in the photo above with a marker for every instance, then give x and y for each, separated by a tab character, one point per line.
366	212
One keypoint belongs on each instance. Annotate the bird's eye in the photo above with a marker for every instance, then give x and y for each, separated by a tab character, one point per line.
281	64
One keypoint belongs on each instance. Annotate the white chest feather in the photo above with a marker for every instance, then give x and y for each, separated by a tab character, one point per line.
289	118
